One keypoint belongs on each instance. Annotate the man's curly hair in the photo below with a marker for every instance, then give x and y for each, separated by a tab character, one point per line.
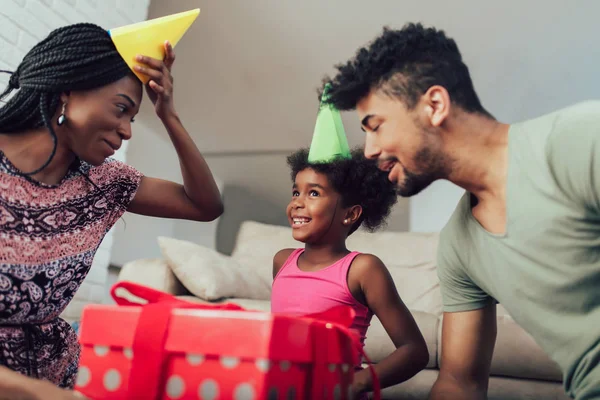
358	181
404	64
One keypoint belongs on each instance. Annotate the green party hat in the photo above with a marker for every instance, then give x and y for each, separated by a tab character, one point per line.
329	138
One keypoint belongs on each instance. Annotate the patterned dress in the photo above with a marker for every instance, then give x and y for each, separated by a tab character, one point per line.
48	237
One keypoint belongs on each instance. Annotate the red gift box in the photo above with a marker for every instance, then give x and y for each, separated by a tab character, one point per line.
172	349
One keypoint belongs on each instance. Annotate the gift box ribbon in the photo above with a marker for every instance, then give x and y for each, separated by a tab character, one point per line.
147	367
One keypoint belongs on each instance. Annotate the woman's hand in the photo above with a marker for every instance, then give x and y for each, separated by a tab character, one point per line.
15	386
160	86
48	391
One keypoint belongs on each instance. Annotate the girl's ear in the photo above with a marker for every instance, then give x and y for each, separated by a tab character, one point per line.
352	215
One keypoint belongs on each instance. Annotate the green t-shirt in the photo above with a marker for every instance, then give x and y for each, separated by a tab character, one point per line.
545	270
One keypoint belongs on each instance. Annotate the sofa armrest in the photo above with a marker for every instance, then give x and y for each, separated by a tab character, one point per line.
154	273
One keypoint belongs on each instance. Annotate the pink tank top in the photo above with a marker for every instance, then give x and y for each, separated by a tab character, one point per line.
301	292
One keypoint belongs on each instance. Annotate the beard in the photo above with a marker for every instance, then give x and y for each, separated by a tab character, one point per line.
413	183
432	167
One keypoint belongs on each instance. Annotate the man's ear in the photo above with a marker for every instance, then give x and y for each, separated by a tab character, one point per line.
437	104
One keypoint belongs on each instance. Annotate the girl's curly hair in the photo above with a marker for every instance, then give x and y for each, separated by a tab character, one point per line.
358	181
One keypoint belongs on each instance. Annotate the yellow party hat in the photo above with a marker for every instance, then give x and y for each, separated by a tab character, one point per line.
148	37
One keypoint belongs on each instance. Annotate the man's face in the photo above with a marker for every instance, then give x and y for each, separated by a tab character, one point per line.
403	141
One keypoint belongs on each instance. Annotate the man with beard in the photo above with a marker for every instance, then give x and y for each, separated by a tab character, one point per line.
527	231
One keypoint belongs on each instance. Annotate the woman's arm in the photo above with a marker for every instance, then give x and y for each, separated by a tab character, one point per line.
198	198
381	296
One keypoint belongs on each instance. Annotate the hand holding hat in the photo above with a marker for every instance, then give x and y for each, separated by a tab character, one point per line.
160	85
147	47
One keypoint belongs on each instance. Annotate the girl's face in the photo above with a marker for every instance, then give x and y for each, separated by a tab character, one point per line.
99	120
315	211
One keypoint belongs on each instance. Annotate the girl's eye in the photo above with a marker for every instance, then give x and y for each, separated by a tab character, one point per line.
295	193
122	107
314	193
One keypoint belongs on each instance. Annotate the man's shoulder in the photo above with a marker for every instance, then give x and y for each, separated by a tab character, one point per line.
578	121
573	119
588	108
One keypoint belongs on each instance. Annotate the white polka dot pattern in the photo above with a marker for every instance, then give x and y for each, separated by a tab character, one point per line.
208	390
83	376
128	353
230	362
263	365
285	365
337	392
244	391
101	351
195	359
112	380
175	387
350	393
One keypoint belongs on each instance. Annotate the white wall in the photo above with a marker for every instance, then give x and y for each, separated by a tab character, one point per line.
246	75
430	210
154	156
23	23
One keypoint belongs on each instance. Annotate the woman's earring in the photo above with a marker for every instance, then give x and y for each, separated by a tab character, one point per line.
345	221
62	118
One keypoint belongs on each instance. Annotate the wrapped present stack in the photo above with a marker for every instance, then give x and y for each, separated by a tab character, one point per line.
171	349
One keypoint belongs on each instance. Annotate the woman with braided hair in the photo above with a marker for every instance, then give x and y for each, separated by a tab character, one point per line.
68	107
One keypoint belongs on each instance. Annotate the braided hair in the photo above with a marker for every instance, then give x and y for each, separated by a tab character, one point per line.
75	57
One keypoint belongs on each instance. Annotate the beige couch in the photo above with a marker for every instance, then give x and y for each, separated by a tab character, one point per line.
520	370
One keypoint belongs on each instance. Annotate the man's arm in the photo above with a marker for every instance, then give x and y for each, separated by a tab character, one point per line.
468	340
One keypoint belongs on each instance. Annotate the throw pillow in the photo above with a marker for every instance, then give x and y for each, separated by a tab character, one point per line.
209	274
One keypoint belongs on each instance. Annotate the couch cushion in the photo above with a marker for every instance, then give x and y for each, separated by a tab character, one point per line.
154	273
411	259
256	245
418	286
378	344
516	354
211	275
